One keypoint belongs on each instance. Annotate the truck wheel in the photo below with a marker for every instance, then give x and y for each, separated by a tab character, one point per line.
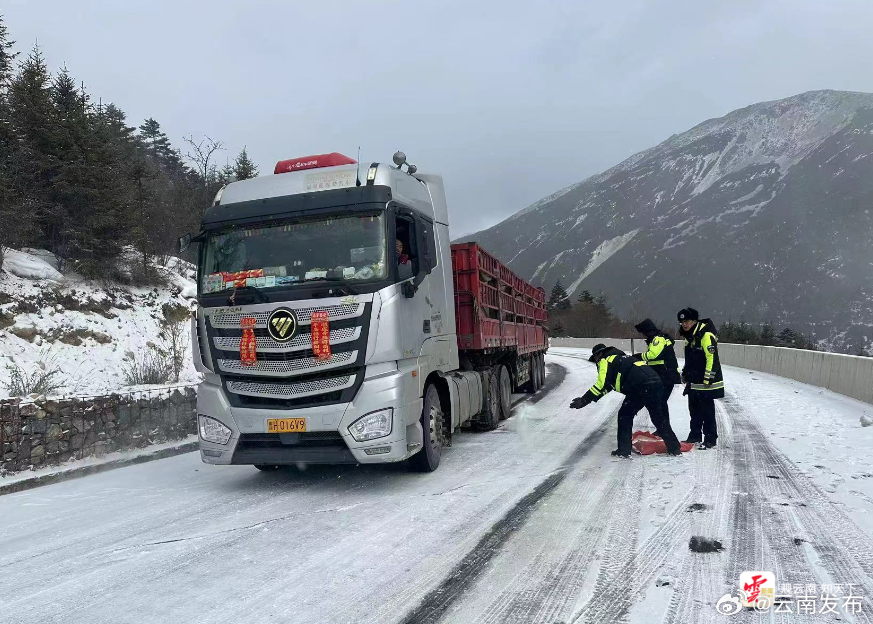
505	392
491	417
267	467
541	369
428	458
530	386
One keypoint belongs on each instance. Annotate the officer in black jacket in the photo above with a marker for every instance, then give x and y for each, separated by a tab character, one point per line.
642	388
702	376
660	356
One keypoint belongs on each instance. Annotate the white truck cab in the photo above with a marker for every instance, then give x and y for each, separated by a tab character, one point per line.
366	252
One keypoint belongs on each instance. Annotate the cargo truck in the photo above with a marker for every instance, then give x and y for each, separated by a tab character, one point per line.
336	323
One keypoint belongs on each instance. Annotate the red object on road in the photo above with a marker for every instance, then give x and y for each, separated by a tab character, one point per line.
494	308
646	443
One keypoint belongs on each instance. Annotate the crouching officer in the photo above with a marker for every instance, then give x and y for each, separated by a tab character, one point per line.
641	386
660	356
702	376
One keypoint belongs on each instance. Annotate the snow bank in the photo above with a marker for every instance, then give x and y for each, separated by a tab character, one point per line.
85	329
30	266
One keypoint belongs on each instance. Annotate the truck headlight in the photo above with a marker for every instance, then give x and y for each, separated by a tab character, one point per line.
213	431
373	425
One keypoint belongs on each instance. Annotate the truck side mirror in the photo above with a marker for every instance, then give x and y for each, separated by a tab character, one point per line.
184	243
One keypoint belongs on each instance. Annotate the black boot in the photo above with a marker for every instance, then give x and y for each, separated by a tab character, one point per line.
709	444
693	439
619	453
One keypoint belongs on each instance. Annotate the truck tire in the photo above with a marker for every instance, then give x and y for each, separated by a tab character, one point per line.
530	386
432	423
505	392
490	418
541	370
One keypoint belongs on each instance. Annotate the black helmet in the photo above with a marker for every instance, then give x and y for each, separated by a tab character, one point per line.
596	351
688	314
646	328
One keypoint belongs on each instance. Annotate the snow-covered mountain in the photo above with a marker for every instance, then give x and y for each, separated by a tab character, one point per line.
763	214
88	331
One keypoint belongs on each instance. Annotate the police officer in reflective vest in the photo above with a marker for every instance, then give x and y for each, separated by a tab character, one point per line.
701	375
660	356
641	386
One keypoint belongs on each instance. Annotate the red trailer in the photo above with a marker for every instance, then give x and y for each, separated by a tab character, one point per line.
500	318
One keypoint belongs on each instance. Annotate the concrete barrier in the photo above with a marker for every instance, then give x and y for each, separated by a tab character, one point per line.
624	344
846	374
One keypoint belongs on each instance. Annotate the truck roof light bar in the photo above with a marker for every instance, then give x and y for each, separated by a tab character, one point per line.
318	161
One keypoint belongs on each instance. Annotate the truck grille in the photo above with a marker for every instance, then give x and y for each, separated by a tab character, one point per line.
315	447
279	440
290	390
287	375
300	342
231	320
297	366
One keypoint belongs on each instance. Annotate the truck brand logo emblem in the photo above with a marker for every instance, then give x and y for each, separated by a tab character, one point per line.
282	325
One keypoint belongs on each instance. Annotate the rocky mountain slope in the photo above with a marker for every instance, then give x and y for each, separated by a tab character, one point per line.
763	214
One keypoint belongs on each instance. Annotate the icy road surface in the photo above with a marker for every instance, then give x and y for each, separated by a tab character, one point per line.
534	522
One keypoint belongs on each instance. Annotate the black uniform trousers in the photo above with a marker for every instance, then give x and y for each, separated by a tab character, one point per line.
650	396
701	407
668	390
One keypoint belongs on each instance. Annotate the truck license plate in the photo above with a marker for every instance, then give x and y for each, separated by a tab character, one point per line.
286	425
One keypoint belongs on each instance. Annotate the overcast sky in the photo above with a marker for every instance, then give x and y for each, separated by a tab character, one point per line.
509	100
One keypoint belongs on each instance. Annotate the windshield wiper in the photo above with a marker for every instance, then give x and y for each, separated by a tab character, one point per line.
246	291
334	280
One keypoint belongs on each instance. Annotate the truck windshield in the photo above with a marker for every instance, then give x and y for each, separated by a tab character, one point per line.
349	248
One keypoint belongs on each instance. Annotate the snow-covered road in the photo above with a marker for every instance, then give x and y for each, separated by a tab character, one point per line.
534	522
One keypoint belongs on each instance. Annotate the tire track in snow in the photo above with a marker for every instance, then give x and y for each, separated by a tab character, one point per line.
842	549
698	577
438	601
576	536
629	580
546	579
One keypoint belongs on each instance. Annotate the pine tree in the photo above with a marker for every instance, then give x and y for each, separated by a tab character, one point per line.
768	335
10	234
32	122
7	56
585	297
70	192
110	157
227	174
155	140
787	338
243	167
559	299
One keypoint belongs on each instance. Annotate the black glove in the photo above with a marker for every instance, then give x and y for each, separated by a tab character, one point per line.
579	403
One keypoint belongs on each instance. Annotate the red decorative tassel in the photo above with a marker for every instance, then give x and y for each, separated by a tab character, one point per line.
320	329
248	345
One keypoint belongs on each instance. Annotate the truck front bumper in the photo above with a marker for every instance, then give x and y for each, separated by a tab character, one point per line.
327	439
